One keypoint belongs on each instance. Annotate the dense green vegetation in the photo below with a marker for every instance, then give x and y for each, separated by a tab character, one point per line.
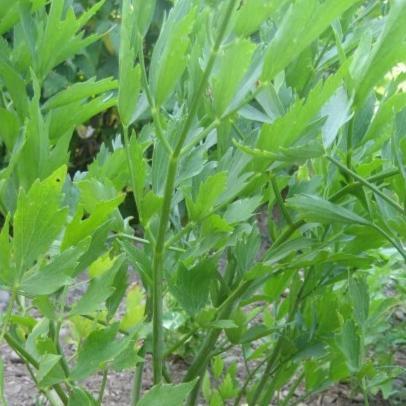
202	178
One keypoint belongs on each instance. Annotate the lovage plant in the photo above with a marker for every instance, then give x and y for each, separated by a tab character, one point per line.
262	143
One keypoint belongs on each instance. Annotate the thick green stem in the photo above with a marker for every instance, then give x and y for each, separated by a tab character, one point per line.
158	260
157	273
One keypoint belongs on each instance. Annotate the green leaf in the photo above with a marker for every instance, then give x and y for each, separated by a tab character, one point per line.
242	210
286	130
64	120
136	17
130	85
399	143
81	397
16	86
373	64
50	371
337	111
383	120
35	153
61	37
97	246
315	209
217	366
78	229
139	170
169	57
253	13
209	193
38	219
227	388
277	284
350	345
99	348
9	129
303	23
58	273
206	387
93	191
99	290
215	224
174	395
226	80
151	206
358	290
191	287
6	271
139	260
223	324
144	12
128	358
120	284
241	320
80	91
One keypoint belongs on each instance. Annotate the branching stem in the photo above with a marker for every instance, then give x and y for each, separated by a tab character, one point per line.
159	252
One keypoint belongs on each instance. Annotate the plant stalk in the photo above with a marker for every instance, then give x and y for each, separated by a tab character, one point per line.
158	260
280	201
275	354
28	359
102	387
366	183
151	101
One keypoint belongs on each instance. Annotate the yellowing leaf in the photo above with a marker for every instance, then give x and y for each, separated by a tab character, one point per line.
101	265
135	308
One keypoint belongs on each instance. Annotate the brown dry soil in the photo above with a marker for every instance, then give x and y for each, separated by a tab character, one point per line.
20	390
